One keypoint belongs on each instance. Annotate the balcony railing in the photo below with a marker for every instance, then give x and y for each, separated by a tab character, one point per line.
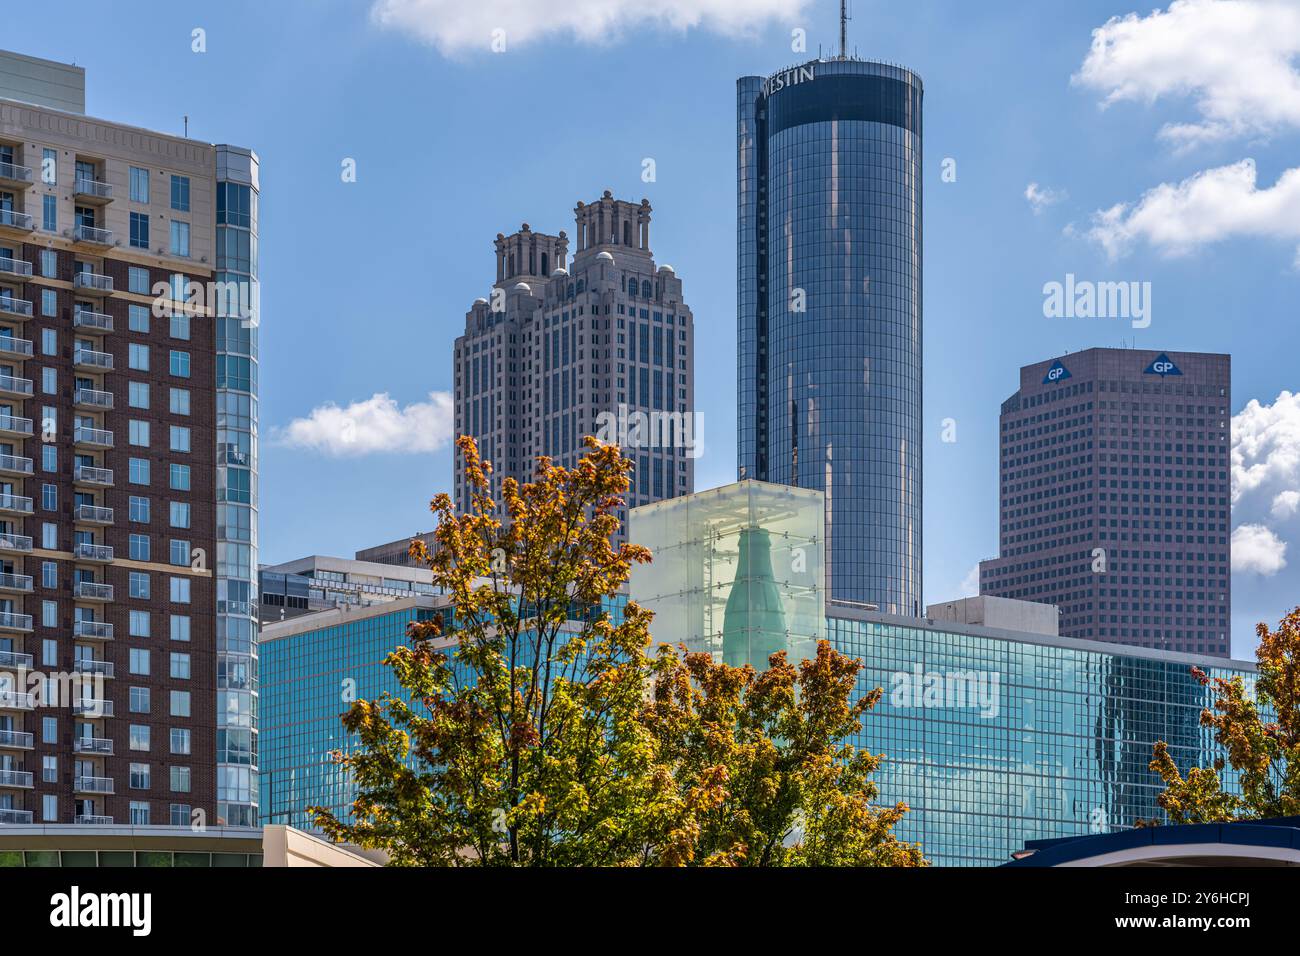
94	819
16	504
86	188
19	308
92	514
15	267
16	700
16	464
13	621
13	173
15	582
92	398
92	235
14	385
90	321
15	660
92	784
92	591
19	817
92	630
17	740
10	541
90	435
92	745
9	345
12	423
89	551
92	282
92	475
16	778
92	707
89	358
16	220
87	666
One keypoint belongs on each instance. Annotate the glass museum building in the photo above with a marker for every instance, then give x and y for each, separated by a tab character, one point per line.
992	737
829	310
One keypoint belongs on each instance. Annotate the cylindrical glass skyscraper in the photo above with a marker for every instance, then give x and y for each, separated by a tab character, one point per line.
829	310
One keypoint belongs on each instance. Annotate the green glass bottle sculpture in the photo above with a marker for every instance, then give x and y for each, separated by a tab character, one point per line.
753	624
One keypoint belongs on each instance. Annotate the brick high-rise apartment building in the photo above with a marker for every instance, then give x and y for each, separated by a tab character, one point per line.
128	509
604	347
1114	499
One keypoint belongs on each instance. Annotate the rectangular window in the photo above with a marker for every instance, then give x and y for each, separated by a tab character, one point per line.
49	802
180	703
139	584
179	364
137	356
50	497
180	669
49	458
139	185
180	326
179	553
49	342
49	769
49	614
180	741
139	547
139	660
49	303
180	238
140	230
180	627
49	381
138	700
138	471
138	509
139	623
140	776
50	213
138	318
180	815
49	730
140	737
138	433
180	477
180	514
137	394
49	536
49	574
180	438
137	280
49	647
180	193
180	779
180	401
139	812
180	590
49	264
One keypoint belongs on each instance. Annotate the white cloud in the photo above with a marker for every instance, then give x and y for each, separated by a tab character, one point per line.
1266	452
455	26
1040	197
376	424
1234	58
1217	204
970	584
1255	548
1285	504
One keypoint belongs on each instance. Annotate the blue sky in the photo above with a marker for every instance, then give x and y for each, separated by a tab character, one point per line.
365	283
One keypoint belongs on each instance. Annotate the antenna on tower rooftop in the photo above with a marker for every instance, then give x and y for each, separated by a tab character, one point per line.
844	29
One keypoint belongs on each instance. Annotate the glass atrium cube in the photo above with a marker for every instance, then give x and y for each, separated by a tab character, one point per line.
739	572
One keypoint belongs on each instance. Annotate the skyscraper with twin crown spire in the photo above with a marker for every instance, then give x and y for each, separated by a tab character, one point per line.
600	345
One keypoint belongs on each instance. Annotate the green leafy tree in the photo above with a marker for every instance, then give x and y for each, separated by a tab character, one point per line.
536	729
1260	736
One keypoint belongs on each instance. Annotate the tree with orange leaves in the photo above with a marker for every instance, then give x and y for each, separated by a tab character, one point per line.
1260	734
536	729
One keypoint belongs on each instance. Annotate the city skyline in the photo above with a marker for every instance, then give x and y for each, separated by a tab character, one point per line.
1026	171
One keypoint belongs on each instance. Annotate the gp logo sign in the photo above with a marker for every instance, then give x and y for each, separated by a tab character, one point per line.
1162	366
1057	373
